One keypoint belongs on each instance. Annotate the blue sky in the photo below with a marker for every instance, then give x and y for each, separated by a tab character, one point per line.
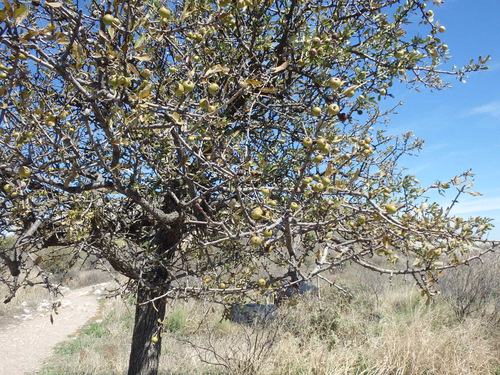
460	125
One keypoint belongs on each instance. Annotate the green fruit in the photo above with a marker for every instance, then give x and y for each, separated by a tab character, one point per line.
154	339
108	19
3	75
321	142
7	188
382	91
350	92
318	187
316	111
268	233
442	29
213	88
262	283
179	90
333	109
307	180
265	191
257	213
24	172
325	181
164	12
307	142
204	103
390	209
294	206
335	83
318	159
190	139
399	53
146	73
188	86
256	241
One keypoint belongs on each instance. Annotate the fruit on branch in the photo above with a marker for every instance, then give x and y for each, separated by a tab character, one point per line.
318	187
382	91
307	142
262	283
213	88
265	191
321	142
257	213
350	92
307	180
267	233
154	339
442	29
8	188
188	86
318	159
294	206
390	208
179	90
204	104
399	53
316	111
24	172
164	12
256	241
335	83
108	19
333	109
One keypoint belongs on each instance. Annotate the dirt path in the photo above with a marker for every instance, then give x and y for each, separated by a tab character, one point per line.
24	345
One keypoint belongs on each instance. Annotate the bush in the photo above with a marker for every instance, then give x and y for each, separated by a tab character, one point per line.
474	289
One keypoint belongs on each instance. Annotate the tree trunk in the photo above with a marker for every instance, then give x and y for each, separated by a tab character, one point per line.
145	354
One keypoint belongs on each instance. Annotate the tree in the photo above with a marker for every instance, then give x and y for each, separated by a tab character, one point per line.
199	146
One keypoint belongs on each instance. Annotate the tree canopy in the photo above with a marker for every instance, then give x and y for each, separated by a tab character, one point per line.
202	146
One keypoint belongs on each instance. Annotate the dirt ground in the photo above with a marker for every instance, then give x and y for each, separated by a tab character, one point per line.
29	339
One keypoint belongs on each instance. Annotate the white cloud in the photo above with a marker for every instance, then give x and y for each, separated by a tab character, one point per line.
477	206
491	109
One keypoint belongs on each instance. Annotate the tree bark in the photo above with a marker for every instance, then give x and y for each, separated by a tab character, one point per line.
145	354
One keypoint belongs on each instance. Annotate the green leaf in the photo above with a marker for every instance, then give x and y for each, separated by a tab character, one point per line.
20	14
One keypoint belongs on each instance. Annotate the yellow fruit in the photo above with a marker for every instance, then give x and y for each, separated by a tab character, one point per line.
204	104
257	213
213	88
7	188
333	109
24	172
307	142
256	241
316	111
318	159
268	233
390	209
154	339
318	187
262	283
179	90
164	12
222	286
265	191
108	19
294	206
335	82
188	86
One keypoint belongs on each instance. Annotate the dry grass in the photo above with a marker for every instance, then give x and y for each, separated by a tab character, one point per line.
390	331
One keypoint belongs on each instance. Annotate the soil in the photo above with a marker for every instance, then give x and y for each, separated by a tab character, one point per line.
28	339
